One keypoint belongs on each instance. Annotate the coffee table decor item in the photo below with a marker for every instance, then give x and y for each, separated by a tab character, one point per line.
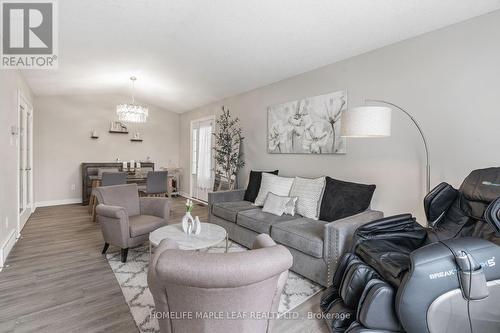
211	235
197	226
188	221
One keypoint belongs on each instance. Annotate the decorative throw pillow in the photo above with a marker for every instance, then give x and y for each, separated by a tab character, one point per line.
342	199
275	184
254	184
290	206
309	192
275	204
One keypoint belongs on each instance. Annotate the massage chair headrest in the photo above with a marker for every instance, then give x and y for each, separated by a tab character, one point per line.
478	190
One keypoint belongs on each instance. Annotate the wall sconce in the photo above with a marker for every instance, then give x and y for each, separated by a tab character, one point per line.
94	134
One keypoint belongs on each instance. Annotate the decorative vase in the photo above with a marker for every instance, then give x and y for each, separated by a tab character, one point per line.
187	223
197	226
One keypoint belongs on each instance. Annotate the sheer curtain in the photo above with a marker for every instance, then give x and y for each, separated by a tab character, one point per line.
205	181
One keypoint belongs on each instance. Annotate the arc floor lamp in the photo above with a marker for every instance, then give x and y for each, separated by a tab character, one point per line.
375	121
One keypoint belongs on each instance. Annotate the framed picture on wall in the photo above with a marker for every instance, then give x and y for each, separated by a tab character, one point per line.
307	126
118	127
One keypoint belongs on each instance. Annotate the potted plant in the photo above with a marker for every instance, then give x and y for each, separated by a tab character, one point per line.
227	155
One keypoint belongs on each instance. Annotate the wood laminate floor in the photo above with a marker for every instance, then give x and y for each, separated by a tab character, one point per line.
56	279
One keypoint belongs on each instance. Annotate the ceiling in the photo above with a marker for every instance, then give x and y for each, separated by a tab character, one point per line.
190	53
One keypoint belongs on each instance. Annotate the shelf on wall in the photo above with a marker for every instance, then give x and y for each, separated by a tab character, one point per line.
118	132
136	140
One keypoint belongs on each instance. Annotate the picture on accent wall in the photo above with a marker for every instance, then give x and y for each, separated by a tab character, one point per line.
307	126
118	127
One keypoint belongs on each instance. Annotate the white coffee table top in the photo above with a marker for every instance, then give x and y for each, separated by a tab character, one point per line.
211	235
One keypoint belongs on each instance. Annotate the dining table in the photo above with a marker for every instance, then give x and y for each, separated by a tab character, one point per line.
92	174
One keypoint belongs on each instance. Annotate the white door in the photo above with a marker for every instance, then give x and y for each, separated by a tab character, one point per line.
25	125
201	158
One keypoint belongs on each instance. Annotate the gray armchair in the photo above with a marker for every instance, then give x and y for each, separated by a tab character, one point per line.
126	220
187	283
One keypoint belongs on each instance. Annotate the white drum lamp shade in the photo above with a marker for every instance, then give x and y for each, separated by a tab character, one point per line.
366	122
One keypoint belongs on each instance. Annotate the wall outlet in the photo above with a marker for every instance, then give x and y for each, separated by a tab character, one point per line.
73	187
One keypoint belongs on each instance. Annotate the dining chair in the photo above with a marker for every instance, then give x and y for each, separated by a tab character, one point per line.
156	184
113	178
96	182
108	179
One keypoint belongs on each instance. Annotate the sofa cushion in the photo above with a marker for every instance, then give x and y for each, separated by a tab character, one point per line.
279	205
303	234
259	221
275	184
309	192
342	199
144	224
229	210
254	184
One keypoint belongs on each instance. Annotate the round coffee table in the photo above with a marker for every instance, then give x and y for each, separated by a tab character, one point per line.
210	235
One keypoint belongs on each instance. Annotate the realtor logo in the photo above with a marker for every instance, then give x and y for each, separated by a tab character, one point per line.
29	38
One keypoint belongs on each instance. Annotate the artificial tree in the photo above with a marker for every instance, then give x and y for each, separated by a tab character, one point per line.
227	156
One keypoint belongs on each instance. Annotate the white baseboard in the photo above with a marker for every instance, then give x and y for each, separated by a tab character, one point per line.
6	247
184	194
57	202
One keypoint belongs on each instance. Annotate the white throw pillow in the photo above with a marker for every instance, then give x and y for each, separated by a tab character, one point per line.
275	204
279	205
310	193
275	184
290	206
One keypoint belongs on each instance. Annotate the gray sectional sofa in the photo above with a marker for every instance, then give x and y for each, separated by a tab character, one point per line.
316	246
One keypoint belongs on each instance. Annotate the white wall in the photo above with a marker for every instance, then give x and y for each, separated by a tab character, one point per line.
449	79
62	141
10	83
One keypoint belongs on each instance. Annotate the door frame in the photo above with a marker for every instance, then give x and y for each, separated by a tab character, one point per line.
211	117
23	99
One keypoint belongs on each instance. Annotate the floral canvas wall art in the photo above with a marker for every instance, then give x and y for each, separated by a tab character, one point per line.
307	126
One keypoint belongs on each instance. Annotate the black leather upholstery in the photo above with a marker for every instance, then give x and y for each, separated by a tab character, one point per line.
339	316
389	257
492	215
438	201
396	255
378	295
478	190
358	328
354	282
332	293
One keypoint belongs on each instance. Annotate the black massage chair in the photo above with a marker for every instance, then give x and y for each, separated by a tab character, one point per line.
402	277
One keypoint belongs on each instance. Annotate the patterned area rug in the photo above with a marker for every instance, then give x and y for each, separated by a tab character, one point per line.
132	277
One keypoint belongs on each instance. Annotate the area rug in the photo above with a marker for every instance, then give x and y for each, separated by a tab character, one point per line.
132	277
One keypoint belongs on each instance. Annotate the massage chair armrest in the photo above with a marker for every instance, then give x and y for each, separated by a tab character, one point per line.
433	273
438	201
338	235
225	196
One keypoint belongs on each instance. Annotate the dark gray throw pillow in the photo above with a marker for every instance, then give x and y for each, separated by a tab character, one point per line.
342	199
254	184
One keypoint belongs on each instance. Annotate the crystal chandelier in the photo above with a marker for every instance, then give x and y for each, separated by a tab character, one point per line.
132	113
